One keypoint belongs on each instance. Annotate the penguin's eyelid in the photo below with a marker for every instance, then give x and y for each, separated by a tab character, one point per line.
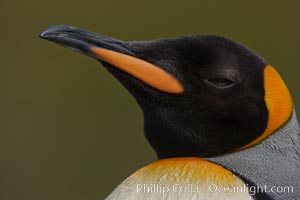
220	83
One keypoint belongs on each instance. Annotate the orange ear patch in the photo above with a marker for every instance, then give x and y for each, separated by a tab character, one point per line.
278	100
140	69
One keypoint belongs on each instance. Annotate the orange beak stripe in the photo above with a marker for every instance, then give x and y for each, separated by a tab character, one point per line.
140	69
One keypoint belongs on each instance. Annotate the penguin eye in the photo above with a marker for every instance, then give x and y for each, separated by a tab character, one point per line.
221	83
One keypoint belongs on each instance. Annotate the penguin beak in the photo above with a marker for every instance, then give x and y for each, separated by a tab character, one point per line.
113	52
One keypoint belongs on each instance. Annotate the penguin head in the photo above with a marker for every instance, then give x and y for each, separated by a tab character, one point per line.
201	95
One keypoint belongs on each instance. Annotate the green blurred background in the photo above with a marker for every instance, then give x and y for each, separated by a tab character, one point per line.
69	130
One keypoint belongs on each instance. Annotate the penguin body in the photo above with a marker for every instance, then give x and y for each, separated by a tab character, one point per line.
213	111
256	175
273	164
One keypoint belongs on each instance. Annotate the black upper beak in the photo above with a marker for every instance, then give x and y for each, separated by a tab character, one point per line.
82	41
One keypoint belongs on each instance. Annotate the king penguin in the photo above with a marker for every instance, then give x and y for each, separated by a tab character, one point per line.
219	117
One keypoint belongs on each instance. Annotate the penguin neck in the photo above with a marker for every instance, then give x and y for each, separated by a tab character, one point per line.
273	162
193	132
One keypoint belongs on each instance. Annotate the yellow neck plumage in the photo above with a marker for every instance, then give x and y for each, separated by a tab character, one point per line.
182	178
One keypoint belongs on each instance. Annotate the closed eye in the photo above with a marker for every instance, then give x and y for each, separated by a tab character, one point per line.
221	83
